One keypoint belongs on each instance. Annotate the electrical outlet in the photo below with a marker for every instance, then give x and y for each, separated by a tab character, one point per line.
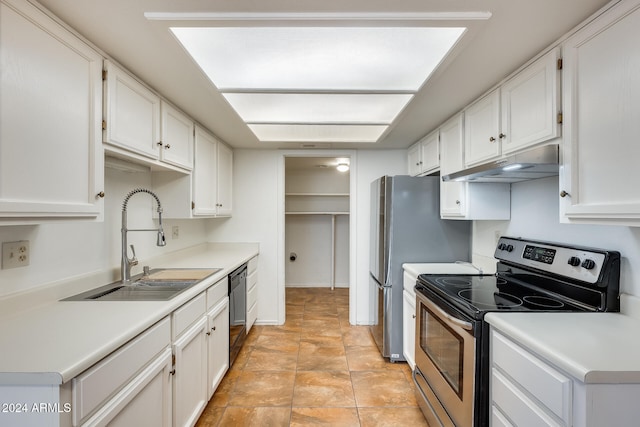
175	232
15	254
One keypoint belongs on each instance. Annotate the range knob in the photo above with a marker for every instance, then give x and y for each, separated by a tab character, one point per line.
574	261
509	248
588	264
502	246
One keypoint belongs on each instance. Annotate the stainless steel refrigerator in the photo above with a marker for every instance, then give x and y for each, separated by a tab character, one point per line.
406	227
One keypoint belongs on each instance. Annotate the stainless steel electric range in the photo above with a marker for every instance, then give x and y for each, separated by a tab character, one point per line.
452	339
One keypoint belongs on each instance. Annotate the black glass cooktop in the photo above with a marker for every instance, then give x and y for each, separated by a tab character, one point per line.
477	294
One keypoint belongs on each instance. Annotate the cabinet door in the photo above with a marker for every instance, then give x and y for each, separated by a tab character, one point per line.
224	182
190	379
177	137
204	174
413	159
529	104
51	158
409	328
601	96
452	194
482	129
218	345
145	401
132	114
430	153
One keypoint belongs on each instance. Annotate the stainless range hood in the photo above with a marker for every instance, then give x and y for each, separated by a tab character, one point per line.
536	163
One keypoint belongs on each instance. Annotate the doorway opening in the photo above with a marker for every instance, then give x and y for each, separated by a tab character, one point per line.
317	222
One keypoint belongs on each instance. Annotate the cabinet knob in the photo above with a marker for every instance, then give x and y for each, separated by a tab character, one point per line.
100	195
413	316
213	329
159	143
208	333
167	146
564	194
172	372
457	202
502	135
492	139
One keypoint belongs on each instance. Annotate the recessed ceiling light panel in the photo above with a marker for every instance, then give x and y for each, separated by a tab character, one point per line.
317	133
318	58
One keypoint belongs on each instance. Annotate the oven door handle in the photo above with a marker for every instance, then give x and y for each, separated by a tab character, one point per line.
464	325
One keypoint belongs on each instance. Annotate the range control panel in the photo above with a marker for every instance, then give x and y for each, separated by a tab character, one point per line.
573	262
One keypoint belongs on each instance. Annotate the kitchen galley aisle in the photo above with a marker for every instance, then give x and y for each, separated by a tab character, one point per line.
314	369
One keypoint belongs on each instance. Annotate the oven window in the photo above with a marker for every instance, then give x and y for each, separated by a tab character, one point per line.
443	346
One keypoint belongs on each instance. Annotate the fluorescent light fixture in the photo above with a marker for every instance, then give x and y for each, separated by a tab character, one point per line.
299	82
317	107
317	133
342	167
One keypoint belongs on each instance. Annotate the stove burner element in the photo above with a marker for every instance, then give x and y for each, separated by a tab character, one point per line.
488	299
541	301
468	281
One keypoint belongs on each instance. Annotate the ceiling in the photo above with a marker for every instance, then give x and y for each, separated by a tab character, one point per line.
516	31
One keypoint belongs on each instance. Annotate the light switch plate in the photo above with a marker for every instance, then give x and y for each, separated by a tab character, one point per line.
15	254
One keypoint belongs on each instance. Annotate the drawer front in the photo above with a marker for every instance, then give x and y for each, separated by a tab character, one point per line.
542	381
252	315
252	295
516	405
217	292
252	265
498	419
183	317
90	389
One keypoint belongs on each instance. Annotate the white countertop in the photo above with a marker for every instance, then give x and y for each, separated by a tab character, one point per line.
591	347
47	341
440	268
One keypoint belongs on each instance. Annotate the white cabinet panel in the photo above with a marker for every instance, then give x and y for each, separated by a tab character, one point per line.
177	137
530	104
224	188
424	156
217	344
132	114
50	110
601	103
190	377
409	328
482	137
204	175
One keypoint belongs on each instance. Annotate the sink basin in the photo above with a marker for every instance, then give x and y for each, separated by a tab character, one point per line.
159	285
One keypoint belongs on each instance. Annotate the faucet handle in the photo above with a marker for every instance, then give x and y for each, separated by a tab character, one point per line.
134	260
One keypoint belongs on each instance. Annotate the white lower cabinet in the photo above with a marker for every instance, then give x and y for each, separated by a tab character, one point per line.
129	384
409	327
190	378
527	390
217	344
145	401
252	292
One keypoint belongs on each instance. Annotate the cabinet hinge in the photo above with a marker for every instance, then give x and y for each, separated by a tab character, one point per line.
104	75
193	205
173	359
559	118
559	64
104	125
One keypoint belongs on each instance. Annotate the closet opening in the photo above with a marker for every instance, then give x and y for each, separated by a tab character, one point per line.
317	191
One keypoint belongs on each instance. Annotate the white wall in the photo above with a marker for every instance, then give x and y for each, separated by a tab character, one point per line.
65	249
258	217
535	215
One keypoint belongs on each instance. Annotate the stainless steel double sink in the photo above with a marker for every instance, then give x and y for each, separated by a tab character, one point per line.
158	285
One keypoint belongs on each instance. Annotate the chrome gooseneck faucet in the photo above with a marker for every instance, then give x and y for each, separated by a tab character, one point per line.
126	262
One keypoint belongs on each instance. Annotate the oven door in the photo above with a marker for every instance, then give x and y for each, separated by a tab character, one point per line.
445	364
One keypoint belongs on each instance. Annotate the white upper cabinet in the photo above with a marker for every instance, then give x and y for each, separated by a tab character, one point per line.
601	104
530	103
131	114
177	137
482	129
424	156
224	181
466	200
50	115
207	191
520	113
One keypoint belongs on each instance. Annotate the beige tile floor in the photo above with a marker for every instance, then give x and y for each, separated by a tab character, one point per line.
314	370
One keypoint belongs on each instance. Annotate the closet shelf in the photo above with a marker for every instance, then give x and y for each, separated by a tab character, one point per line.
319	194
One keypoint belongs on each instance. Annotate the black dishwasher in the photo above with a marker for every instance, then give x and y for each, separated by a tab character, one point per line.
237	311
